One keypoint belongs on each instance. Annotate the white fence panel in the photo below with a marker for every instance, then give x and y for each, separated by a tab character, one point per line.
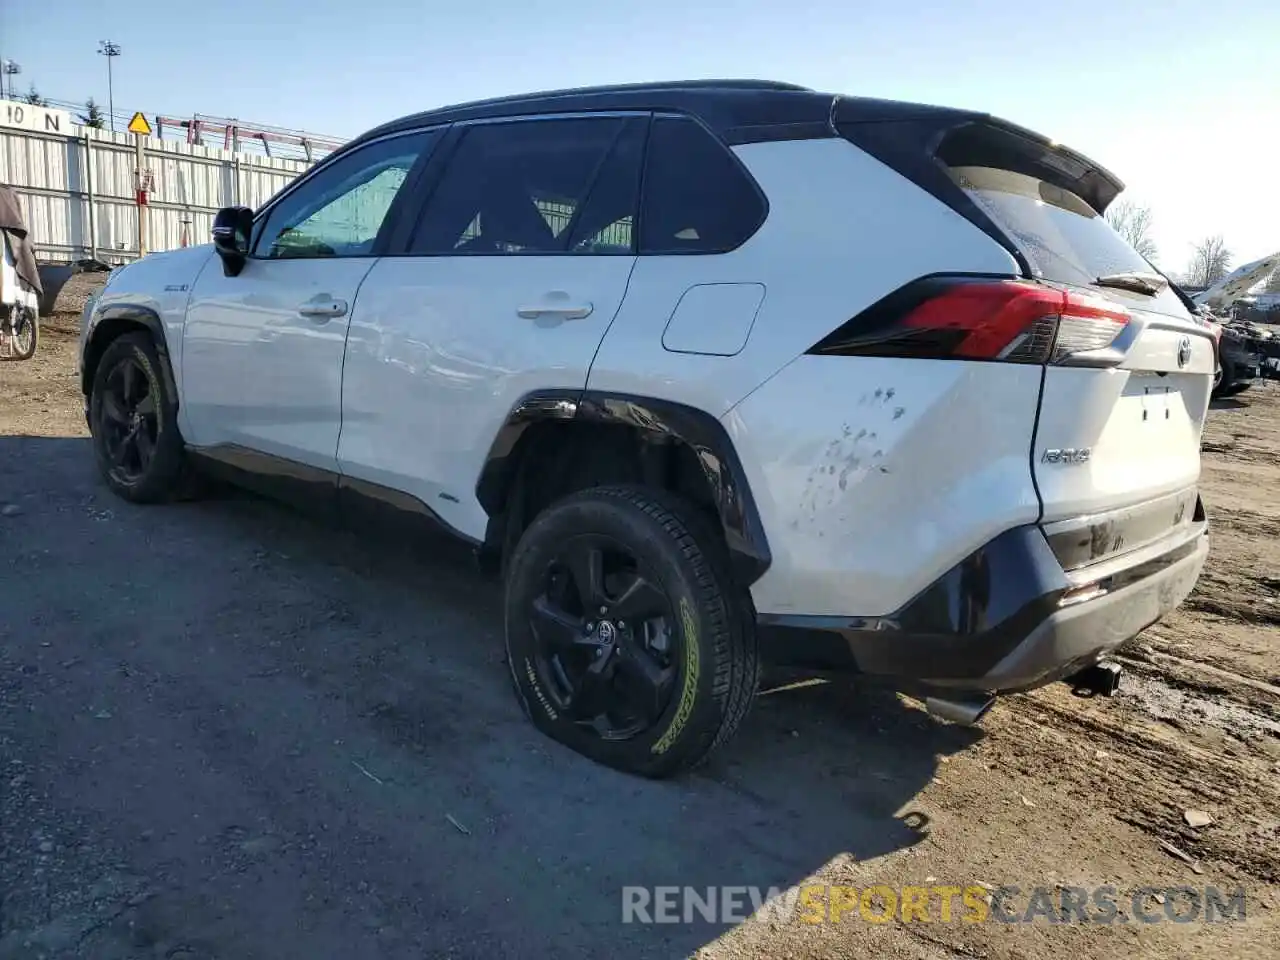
78	189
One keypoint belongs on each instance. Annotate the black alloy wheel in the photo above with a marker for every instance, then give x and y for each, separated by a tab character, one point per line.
604	638
626	636
128	420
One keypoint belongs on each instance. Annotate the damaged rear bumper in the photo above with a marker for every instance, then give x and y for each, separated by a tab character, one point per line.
1007	618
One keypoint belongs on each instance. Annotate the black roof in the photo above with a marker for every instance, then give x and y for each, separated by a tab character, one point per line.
738	110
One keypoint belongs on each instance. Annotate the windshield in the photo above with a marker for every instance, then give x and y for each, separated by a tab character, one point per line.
1062	236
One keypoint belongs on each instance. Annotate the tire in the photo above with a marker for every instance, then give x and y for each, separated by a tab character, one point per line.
153	471
1224	380
28	330
702	644
1232	389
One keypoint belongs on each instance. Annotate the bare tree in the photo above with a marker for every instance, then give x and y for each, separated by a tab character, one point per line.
1209	263
1133	222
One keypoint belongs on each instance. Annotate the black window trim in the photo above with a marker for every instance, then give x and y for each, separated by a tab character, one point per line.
394	212
417	201
417	198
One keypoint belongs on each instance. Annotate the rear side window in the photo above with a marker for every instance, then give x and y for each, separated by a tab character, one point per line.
697	197
523	188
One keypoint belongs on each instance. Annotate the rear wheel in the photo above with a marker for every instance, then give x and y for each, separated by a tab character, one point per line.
626	635
133	419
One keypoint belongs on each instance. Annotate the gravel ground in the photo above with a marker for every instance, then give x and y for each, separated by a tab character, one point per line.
227	731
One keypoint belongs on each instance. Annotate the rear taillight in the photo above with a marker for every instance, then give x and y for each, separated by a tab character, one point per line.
1014	321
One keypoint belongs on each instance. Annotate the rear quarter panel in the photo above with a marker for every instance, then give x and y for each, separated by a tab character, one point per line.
875	476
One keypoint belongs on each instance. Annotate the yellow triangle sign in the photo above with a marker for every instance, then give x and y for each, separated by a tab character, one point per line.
139	125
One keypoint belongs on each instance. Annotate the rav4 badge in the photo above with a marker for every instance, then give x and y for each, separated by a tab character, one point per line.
1066	455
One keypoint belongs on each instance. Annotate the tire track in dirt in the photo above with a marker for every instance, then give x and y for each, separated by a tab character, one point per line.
1156	769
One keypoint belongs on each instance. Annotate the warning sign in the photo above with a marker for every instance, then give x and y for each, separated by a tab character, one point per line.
139	125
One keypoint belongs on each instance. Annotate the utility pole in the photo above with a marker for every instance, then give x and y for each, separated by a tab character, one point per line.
110	50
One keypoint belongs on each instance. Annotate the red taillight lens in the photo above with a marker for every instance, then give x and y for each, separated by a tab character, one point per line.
1010	320
987	317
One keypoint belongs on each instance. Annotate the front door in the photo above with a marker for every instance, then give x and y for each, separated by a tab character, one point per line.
262	351
518	264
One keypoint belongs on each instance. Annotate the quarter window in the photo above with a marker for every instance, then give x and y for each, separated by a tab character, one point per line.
698	198
339	212
537	187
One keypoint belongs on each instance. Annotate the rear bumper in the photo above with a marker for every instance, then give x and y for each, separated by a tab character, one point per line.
1008	618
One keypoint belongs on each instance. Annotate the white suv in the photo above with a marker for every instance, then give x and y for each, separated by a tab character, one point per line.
711	372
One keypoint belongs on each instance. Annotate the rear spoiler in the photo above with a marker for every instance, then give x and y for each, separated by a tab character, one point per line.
982	138
920	143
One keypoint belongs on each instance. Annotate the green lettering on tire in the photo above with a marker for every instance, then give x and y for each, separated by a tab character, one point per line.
689	692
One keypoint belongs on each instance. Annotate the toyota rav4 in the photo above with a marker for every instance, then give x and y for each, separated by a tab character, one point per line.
710	373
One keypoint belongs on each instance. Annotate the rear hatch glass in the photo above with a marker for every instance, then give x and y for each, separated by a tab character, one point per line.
1033	193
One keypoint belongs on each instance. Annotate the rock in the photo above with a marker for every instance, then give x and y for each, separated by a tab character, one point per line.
260	845
1181	855
1028	803
10	510
1197	818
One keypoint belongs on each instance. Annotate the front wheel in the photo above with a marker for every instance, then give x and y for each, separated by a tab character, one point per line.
20	336
626	635
134	421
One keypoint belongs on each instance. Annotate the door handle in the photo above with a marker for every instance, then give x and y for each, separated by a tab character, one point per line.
566	312
323	308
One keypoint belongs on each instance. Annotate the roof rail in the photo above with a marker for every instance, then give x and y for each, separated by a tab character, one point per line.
727	84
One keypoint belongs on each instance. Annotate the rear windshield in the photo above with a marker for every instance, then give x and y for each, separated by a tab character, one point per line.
1062	236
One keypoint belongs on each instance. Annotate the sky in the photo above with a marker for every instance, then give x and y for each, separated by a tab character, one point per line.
1179	99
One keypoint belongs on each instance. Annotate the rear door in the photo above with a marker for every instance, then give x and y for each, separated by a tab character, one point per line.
1127	388
518	262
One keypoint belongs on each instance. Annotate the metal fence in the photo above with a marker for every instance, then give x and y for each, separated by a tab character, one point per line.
78	189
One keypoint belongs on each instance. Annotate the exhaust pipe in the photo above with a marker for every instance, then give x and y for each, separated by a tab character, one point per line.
966	711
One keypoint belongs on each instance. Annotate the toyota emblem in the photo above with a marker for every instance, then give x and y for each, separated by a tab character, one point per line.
1184	351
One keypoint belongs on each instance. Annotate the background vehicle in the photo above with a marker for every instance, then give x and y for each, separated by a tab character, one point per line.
677	360
1243	348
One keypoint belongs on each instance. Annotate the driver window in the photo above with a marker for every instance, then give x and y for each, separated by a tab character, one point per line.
339	212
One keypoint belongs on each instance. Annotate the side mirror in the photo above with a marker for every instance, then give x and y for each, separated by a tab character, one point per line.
232	228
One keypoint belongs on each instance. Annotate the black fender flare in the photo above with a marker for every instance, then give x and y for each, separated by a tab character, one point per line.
110	318
698	430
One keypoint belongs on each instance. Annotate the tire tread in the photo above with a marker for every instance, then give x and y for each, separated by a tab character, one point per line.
735	654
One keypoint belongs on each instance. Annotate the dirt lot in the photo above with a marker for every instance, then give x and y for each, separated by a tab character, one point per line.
226	731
